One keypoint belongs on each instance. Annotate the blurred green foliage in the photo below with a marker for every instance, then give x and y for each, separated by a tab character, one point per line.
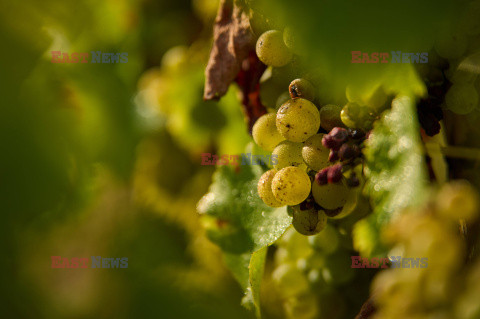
93	164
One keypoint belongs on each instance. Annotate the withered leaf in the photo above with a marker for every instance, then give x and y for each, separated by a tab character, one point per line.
233	40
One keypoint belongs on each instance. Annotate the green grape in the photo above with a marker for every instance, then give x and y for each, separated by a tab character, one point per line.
298	119
288	38
377	100
330	117
450	44
314	153
301	88
351	204
353	94
284	97
264	188
291	185
458	200
357	116
326	241
303	306
330	196
461	98
288	154
258	22
289	280
271	49
269	92
265	132
316	260
295	244
460	76
309	222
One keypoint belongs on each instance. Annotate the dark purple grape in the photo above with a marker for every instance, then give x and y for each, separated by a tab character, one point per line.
333	156
334	174
348	151
321	177
339	134
328	142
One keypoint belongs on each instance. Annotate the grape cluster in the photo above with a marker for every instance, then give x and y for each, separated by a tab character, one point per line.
313	275
449	284
315	171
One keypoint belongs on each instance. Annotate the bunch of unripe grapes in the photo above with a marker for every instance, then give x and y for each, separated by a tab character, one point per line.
318	149
313	275
448	286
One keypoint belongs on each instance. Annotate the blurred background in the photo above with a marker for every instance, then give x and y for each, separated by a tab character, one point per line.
104	160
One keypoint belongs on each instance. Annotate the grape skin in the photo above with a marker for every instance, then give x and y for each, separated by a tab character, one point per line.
330	196
314	153
290	280
458	200
291	185
264	188
288	154
461	99
265	132
282	98
450	44
271	49
309	222
301	88
330	117
354	115
298	119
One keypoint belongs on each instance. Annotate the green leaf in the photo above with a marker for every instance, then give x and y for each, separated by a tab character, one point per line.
256	268
395	170
248	271
237	219
238	265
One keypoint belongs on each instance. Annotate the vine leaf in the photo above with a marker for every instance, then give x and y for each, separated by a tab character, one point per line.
236	218
248	271
238	221
256	268
395	171
238	265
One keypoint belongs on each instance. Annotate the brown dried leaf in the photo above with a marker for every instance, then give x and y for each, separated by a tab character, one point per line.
233	40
